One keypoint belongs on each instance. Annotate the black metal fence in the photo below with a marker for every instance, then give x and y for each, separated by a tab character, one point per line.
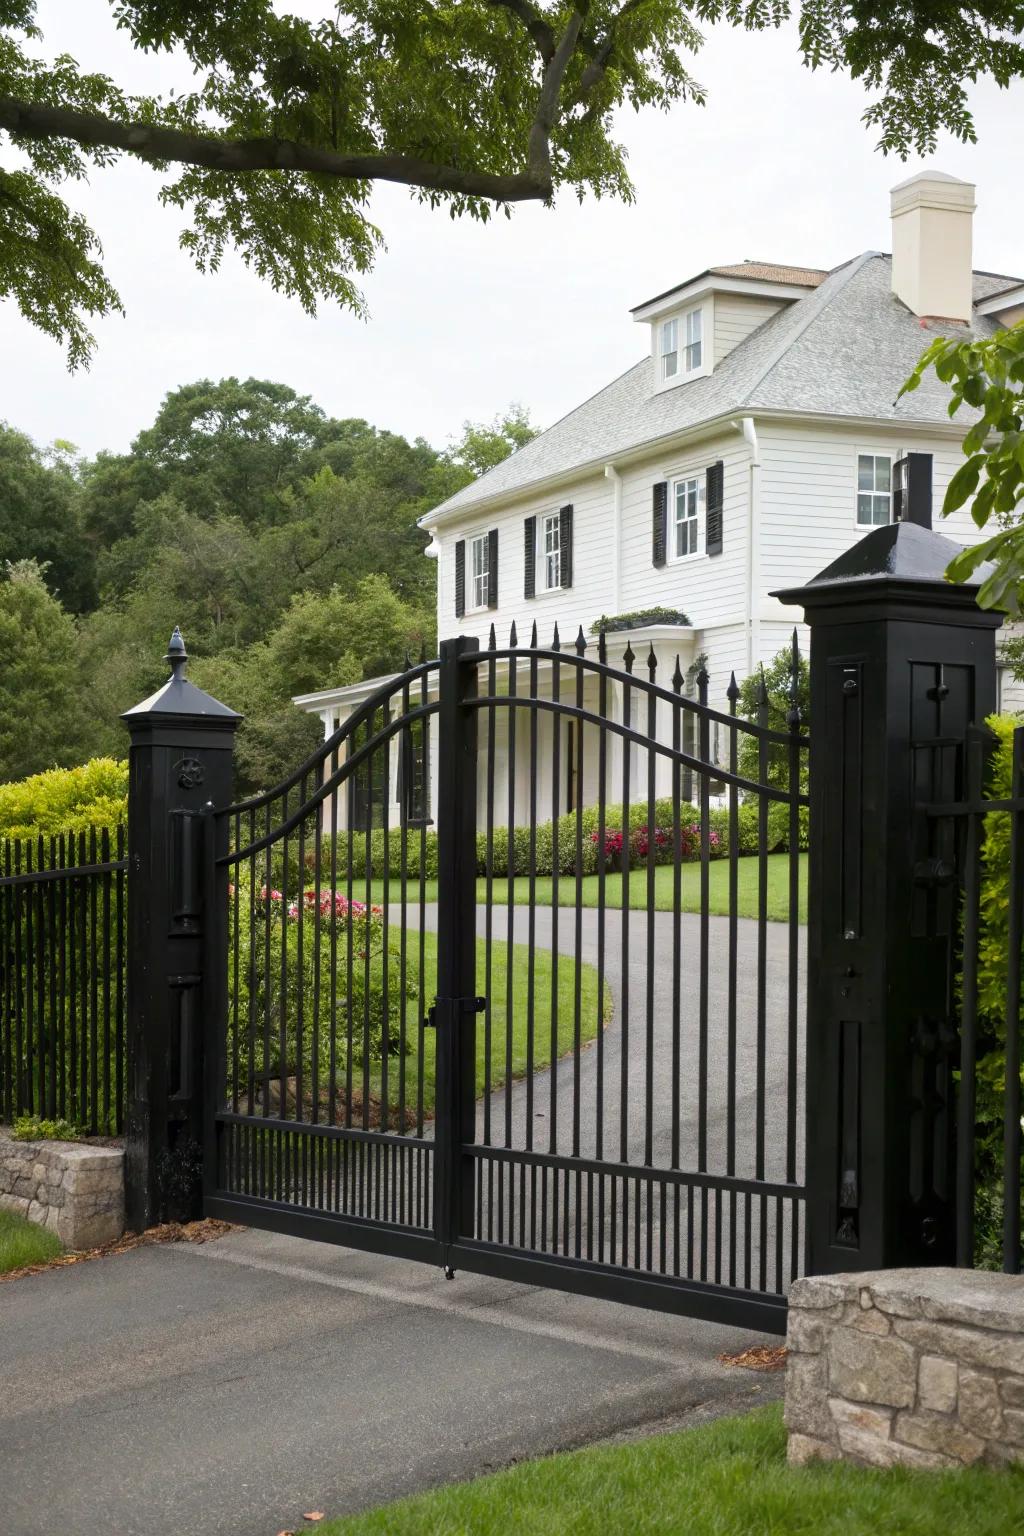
62	979
975	876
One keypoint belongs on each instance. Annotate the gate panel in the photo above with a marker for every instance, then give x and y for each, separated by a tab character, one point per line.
324	1094
659	1158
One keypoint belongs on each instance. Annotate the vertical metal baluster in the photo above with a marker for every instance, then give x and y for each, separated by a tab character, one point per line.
677	909
967	1101
732	693
298	985
492	678
652	844
53	1073
385	1044
531	931
332	1090
236	966
424	992
1015	938
510	898
318	915
602	875
350	810
577	1026
704	752
556	766
282	1109
94	997
762	957
105	926
268	991
406	759
371	731
26	989
792	1066
627	751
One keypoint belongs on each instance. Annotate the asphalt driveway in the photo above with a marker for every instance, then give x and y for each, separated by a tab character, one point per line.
225	1389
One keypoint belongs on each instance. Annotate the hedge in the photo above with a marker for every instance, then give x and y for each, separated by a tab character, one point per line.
65	800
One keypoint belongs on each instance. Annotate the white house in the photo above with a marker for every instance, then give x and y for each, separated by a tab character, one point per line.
754	442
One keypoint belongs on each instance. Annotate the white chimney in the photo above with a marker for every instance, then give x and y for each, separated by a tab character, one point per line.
931	245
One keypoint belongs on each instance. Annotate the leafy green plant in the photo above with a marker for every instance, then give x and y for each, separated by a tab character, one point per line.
33	1128
65	800
988	375
639	619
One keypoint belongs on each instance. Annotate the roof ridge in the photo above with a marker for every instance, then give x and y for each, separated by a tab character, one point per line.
424	521
853	266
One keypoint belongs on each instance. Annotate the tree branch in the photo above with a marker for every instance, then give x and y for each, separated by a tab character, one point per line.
150	141
600	55
547	103
534	23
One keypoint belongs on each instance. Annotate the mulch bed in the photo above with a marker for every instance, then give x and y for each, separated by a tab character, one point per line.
171	1232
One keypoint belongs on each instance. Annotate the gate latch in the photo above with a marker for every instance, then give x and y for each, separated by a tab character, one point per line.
458	1005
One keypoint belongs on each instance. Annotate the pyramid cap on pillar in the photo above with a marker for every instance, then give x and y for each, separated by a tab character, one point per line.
897	561
179	699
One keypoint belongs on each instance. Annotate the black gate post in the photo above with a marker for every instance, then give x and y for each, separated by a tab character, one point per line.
455	1008
179	763
902	663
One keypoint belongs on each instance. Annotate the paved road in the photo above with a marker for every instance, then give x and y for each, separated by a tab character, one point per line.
224	1390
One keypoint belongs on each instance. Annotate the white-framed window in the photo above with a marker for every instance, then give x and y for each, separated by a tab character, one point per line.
688	498
669	349
551	552
874	489
694	355
480	571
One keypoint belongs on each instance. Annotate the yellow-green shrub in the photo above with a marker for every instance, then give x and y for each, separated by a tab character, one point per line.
65	799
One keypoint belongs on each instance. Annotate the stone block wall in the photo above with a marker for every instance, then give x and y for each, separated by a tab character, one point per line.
907	1367
75	1189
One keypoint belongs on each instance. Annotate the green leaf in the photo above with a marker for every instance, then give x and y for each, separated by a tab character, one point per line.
963	484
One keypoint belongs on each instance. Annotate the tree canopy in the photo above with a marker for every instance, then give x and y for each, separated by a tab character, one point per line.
283	541
987	374
282	124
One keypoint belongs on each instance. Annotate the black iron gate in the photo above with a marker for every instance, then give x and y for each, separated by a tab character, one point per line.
556	1037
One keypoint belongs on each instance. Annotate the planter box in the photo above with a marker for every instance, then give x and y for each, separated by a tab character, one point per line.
74	1189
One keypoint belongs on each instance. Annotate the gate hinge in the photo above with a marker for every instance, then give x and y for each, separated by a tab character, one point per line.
457	1005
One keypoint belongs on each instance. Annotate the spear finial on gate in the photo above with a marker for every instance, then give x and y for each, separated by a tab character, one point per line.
533	636
513	637
581	642
793	712
628	657
762	697
555	643
702	681
732	693
677	677
492	640
177	656
652	663
602	648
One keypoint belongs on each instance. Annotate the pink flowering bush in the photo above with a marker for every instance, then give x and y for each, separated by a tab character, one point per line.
307	965
641	839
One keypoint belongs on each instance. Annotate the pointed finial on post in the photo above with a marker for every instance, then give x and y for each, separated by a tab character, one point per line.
677	677
628	657
702	684
555	642
581	642
177	656
732	693
513	637
793	712
652	663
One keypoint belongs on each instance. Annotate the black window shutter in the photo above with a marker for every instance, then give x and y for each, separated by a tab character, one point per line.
492	568
714	507
660	530
565	545
460	578
530	557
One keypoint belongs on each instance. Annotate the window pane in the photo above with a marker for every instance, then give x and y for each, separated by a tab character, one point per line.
694	325
865	472
864	508
669	332
669	365
882	473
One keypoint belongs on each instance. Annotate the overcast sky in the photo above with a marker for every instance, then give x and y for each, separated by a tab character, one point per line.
465	318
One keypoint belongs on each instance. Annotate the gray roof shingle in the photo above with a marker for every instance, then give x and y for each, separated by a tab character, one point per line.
842	350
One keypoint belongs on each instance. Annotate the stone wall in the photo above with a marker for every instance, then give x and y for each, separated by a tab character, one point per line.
75	1189
908	1367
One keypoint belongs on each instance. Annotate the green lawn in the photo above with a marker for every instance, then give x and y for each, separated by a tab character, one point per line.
777	904
22	1242
727	1479
498	993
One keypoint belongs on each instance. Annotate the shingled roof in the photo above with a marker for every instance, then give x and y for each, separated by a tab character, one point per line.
843	349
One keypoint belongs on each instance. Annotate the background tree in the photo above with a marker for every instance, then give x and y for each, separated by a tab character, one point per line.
40	518
282	124
40	721
987	376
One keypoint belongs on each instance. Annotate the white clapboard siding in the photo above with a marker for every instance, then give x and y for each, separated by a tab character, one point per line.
736	316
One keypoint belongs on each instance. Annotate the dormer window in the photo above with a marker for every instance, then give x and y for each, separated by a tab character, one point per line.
670	349
694	339
681	345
